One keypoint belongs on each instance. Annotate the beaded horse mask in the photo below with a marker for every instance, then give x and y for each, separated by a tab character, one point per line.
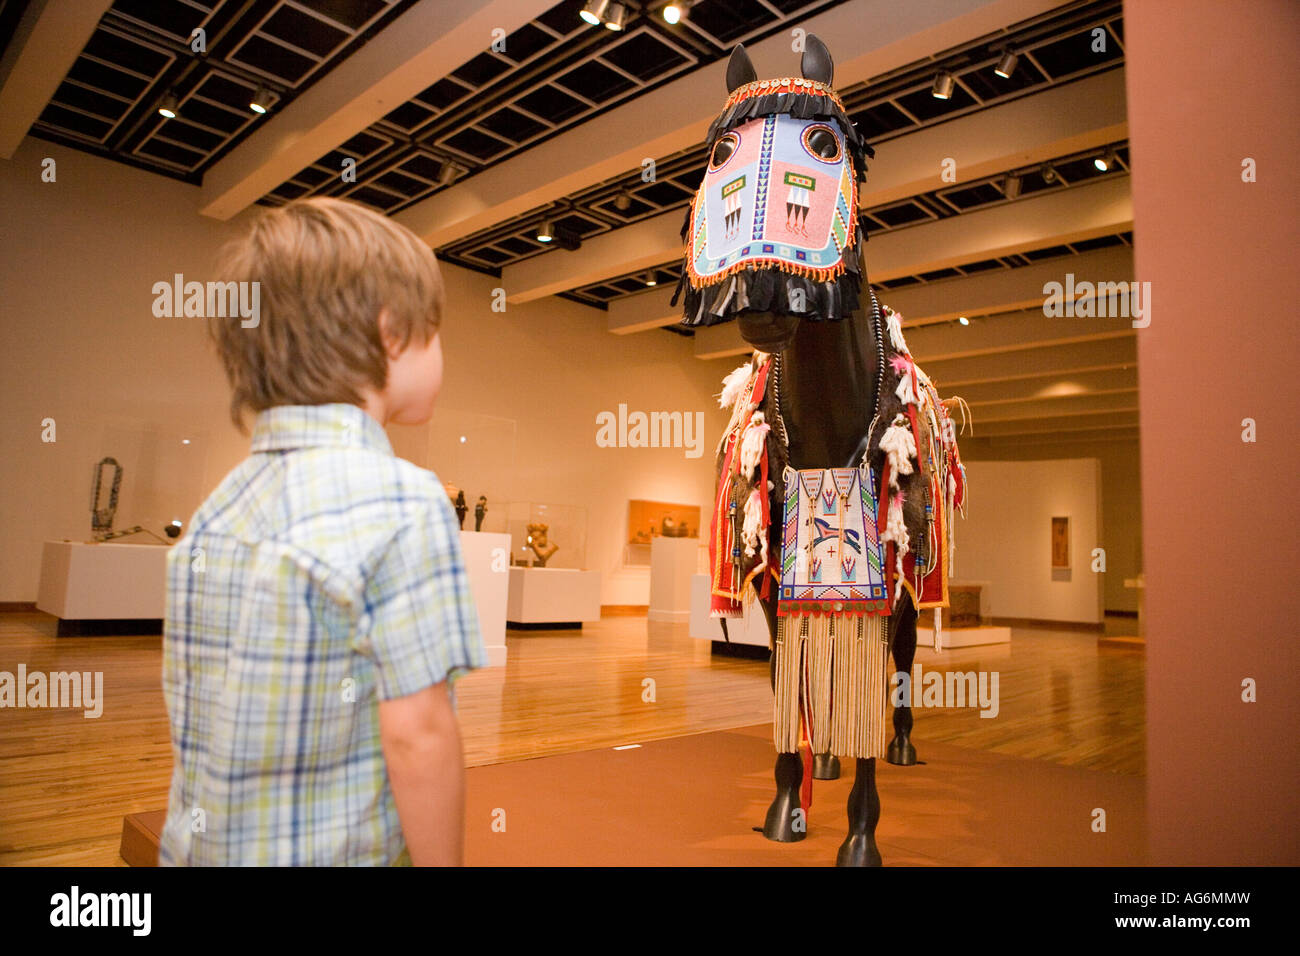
773	227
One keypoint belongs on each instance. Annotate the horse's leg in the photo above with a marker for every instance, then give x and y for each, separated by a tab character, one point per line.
781	817
901	751
859	847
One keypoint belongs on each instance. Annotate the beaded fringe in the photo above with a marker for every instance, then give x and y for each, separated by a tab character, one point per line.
836	669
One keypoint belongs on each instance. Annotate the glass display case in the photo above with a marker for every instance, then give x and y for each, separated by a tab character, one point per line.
473	453
548	535
161	476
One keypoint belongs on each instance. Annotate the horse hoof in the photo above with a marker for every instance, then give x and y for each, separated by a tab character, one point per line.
901	752
826	767
785	819
858	849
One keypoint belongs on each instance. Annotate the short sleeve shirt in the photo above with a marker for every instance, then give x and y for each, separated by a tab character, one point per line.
323	575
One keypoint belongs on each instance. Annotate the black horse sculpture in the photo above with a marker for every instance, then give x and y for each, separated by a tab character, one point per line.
836	387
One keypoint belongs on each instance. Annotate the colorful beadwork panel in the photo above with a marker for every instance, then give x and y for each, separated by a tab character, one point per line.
831	555
774	200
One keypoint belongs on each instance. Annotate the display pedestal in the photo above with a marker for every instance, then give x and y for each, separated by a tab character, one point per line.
84	582
672	565
963	636
553	597
750	631
487	558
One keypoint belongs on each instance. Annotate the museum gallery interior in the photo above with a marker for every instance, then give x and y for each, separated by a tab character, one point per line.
879	409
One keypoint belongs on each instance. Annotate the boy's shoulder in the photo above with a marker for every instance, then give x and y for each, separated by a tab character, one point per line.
341	506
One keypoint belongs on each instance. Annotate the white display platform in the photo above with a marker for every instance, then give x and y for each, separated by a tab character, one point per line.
743	630
553	596
672	565
963	636
109	581
487	559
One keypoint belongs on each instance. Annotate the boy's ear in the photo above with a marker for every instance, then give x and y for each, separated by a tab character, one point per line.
392	347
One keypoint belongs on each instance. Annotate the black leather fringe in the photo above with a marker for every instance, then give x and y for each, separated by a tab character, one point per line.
771	290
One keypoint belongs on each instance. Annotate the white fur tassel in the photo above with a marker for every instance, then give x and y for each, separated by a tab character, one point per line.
899	446
906	394
896	531
751	448
733	386
753	522
894	322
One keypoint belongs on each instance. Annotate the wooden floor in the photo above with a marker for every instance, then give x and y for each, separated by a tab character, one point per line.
66	781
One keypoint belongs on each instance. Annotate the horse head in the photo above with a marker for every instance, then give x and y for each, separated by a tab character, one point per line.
772	235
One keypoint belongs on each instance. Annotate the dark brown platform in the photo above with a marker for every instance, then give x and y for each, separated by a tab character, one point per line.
694	800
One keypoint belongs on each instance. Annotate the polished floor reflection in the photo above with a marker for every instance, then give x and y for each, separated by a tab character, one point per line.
67	781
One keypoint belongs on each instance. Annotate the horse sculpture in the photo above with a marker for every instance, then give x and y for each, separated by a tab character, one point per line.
838	475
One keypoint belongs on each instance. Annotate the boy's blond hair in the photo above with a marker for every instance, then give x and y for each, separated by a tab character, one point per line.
325	267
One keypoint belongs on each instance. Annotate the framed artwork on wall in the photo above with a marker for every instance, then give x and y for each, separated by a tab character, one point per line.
1060	543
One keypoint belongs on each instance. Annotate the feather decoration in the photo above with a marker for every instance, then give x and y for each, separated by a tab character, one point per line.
900	447
753	522
894	322
733	386
751	447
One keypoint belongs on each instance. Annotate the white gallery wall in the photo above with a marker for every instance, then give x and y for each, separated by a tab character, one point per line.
1121	497
79	345
1006	537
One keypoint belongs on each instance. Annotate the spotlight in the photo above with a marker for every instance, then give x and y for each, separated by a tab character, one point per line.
261	101
168	106
623	200
1011	186
962	320
616	19
677	12
650	277
448	173
594	11
546	232
1007	64
943	84
173	530
1105	161
1048	174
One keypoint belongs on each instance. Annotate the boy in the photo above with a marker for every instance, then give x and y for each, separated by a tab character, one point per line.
318	606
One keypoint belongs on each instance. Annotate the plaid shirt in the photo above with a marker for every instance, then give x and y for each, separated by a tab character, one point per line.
322	576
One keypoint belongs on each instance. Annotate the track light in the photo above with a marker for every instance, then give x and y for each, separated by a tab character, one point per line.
594	11
623	200
650	277
677	12
546	232
447	175
616	18
1105	161
1048	174
261	101
168	106
943	84
1007	64
1011	186
962	320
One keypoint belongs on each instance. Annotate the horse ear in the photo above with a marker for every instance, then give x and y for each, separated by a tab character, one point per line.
816	63
739	70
